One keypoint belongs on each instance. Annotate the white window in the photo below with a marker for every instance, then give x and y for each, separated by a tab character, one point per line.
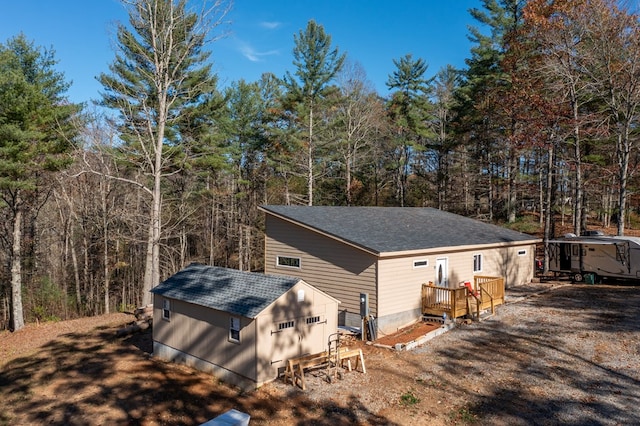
422	263
477	263
234	329
288	262
522	252
166	309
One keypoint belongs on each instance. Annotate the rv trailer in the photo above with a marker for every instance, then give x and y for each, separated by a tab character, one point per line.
600	256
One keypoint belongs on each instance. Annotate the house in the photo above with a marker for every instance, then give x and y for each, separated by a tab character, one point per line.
240	326
385	254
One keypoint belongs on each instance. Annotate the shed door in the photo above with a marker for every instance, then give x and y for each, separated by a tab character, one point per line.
301	336
286	341
314	335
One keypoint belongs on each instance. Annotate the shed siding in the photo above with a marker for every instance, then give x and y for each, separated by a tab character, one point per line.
338	269
203	333
276	346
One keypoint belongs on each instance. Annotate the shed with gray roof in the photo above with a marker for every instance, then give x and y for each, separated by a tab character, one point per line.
240	326
387	253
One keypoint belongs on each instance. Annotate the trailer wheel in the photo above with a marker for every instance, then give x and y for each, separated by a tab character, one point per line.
578	277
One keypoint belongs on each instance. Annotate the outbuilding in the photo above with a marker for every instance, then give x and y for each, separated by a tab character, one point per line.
240	326
386	254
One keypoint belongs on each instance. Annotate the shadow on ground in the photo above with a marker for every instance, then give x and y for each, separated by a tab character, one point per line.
100	379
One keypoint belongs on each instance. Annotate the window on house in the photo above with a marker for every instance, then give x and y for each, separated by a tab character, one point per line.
234	329
288	262
285	325
477	263
166	309
422	263
522	252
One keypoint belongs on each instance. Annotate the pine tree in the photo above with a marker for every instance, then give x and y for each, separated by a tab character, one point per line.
36	131
316	66
409	111
480	110
162	85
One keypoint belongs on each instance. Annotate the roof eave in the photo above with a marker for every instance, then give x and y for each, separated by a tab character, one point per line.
451	249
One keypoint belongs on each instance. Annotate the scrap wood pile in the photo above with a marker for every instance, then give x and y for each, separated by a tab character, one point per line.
144	320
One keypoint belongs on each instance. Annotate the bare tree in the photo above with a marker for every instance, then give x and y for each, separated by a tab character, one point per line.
613	69
558	35
358	112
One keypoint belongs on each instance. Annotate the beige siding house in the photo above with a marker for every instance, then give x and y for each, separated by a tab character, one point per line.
239	326
387	253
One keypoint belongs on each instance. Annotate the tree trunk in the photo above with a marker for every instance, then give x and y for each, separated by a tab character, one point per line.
17	313
548	205
623	170
465	178
512	170
577	207
106	271
248	247
85	273
541	194
490	194
240	248
76	276
310	157
152	264
287	193
213	225
348	174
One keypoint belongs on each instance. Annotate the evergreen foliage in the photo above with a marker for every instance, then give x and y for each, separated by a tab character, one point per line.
316	66
37	132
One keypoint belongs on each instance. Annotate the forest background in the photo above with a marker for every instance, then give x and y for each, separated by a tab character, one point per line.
100	204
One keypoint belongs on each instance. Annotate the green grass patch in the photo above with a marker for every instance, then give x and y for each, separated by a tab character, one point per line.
463	415
409	398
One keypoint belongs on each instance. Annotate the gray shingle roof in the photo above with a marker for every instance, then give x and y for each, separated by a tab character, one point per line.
229	290
397	229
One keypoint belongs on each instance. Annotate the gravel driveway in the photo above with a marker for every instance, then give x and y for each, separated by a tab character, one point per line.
570	355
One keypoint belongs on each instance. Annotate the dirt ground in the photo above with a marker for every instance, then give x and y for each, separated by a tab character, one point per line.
554	354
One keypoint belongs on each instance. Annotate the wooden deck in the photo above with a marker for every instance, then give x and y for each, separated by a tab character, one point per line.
485	293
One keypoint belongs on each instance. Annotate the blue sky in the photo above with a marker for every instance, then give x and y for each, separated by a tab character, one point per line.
260	35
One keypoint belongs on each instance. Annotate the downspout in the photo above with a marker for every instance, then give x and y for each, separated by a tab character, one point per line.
255	351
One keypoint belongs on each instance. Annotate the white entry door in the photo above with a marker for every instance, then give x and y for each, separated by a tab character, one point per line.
442	272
